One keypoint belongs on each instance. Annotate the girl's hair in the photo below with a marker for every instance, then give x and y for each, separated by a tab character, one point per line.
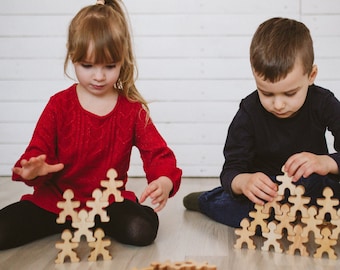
106	29
277	44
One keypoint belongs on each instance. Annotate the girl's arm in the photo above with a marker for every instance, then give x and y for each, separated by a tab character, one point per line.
36	166
39	158
159	162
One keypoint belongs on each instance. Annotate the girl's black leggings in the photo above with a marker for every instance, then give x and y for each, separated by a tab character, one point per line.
130	223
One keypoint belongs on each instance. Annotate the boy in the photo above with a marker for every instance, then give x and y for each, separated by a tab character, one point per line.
282	123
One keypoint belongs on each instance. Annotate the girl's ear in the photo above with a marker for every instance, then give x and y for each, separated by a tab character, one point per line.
313	74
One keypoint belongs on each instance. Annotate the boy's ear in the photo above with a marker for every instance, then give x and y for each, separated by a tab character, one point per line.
313	74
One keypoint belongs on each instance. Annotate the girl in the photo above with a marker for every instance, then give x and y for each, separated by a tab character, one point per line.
87	129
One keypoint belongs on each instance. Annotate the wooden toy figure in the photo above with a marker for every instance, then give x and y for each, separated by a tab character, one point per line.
66	248
244	234
99	246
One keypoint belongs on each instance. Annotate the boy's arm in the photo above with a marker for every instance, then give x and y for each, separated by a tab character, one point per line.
257	187
304	164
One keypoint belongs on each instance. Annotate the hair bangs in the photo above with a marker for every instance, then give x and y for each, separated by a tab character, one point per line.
98	43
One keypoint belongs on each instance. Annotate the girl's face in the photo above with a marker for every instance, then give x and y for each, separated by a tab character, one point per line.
286	96
97	79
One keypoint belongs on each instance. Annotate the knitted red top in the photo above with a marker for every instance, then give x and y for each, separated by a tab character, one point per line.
89	145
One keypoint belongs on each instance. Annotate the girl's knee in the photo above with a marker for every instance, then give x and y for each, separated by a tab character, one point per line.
140	232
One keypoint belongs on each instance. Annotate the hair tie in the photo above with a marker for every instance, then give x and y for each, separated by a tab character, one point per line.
100	2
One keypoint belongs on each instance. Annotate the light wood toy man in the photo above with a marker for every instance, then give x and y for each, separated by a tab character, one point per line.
99	246
244	235
66	248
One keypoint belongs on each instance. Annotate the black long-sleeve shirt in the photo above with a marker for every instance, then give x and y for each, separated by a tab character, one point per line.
257	141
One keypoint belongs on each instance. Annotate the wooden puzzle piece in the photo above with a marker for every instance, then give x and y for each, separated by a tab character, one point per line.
312	223
272	239
186	265
299	202
66	248
97	207
68	207
161	266
284	221
327	204
325	245
259	219
336	230
274	204
112	186
297	242
286	183
99	246
244	234
83	227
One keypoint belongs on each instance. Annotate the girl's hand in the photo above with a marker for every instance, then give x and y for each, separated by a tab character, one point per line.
257	187
158	190
36	166
304	164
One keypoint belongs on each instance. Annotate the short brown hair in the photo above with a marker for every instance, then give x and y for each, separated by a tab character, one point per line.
276	45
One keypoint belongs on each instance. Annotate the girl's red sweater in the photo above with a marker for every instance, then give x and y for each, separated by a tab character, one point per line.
89	145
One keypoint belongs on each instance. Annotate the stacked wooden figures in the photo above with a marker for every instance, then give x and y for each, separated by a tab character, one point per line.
83	221
297	228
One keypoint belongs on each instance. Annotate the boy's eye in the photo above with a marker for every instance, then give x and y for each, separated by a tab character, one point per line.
290	94
267	94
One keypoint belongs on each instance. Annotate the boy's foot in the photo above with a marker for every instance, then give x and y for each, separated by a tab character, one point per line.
190	201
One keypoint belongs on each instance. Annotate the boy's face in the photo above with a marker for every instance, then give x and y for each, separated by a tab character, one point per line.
286	96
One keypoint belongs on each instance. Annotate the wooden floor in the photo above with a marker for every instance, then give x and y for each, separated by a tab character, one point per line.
183	235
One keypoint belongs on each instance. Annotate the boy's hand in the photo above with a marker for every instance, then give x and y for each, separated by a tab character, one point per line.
36	166
304	164
158	190
258	187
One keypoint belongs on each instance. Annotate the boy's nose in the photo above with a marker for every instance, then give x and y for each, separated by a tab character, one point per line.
279	104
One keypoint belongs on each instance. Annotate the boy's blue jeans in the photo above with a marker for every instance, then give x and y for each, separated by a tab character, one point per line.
230	210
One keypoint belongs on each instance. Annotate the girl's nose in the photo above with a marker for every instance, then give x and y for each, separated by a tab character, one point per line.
99	75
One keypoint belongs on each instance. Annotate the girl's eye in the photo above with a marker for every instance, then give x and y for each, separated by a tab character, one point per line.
111	66
86	65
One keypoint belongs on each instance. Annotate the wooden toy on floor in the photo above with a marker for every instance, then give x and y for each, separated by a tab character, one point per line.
83	220
185	265
272	238
298	242
66	248
326	244
99	246
294	222
244	234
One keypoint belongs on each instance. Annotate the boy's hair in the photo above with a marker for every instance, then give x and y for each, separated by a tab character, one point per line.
277	44
106	29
